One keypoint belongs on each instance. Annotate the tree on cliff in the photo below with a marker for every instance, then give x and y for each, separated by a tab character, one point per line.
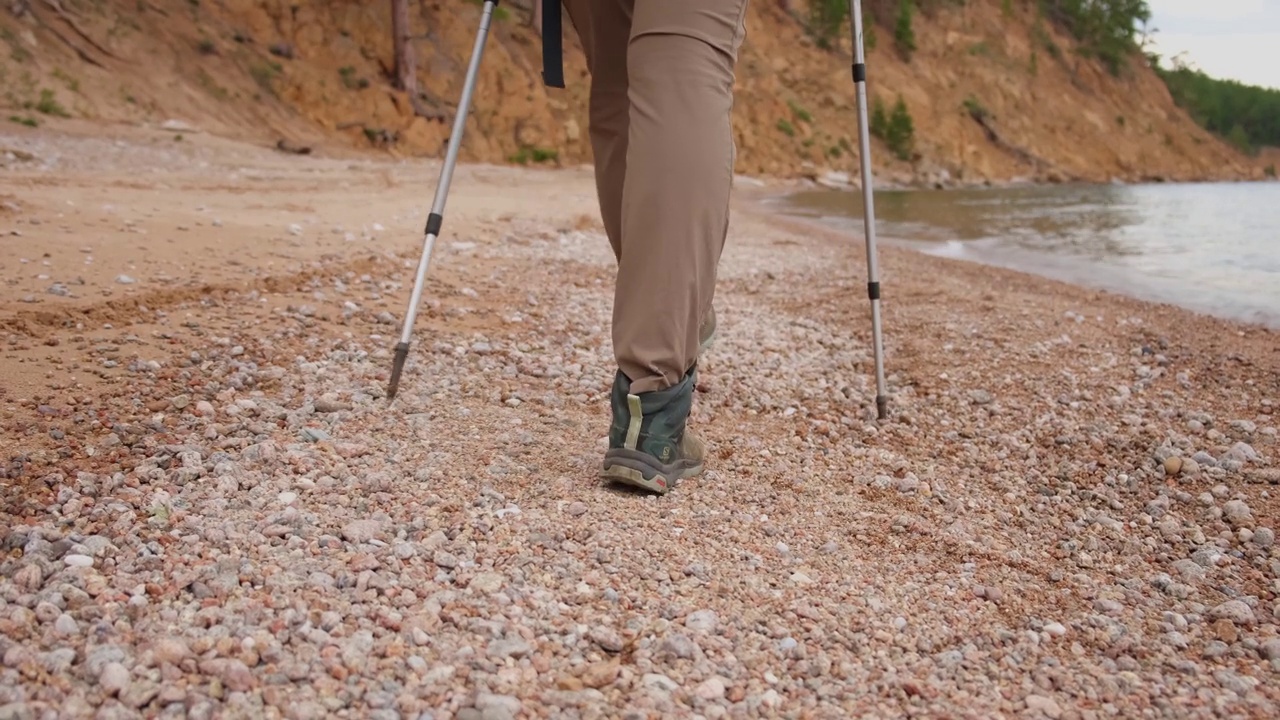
406	73
406	69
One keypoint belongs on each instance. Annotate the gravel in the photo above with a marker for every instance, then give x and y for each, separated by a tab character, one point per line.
1011	542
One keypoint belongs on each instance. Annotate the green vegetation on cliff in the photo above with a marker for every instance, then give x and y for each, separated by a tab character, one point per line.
1105	29
1247	116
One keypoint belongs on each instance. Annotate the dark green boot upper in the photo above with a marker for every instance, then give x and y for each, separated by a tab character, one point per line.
663	415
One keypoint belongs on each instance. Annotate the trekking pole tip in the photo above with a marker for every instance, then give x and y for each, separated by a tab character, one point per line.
397	366
882	407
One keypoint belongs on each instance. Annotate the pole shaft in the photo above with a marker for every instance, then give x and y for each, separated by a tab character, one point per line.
446	173
868	203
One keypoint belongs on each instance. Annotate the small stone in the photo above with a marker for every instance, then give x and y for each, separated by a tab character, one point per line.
1045	705
324	405
1055	629
295	229
114	678
361	531
1214	649
711	689
1264	537
577	508
1234	610
601	674
770	698
1239	453
1270	649
1226	631
78	560
659	682
497	707
315	435
677	645
503	649
1172	465
702	621
125	280
28	578
487	582
606	638
66	625
445	559
171	651
1205	459
1237	513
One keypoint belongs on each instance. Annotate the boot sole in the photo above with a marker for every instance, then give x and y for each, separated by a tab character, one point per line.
642	471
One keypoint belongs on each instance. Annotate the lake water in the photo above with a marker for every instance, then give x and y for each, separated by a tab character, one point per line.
1212	248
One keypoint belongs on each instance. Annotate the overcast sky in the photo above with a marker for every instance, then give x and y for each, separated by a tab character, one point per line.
1232	39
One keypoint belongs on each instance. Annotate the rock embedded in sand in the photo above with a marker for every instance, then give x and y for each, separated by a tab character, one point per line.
1235	611
1237	513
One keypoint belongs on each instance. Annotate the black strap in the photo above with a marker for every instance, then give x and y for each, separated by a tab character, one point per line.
552	52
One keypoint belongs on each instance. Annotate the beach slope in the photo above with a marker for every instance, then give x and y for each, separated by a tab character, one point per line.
208	505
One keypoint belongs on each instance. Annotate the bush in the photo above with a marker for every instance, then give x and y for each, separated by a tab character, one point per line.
49	105
527	154
903	35
975	108
799	112
900	135
879	123
826	20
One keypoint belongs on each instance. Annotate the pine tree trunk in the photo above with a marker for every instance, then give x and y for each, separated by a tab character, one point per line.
406	68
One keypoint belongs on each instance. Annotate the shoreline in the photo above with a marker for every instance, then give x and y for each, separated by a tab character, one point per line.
210	505
781	202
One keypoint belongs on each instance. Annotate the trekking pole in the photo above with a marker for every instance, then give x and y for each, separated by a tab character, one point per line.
436	218
868	215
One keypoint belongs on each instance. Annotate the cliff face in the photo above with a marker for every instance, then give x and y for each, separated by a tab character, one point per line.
988	97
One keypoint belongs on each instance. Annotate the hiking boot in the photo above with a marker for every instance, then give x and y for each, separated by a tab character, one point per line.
649	446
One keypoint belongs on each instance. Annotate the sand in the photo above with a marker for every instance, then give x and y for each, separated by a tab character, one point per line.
209	509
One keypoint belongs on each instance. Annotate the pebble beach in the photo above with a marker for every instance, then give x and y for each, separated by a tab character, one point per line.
208	508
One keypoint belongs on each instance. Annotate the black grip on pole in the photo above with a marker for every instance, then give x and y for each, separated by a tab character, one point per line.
859	72
873	290
552	53
434	222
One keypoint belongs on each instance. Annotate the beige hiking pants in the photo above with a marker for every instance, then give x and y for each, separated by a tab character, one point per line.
662	74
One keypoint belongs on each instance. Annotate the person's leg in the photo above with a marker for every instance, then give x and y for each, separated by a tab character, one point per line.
675	213
675	207
604	28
